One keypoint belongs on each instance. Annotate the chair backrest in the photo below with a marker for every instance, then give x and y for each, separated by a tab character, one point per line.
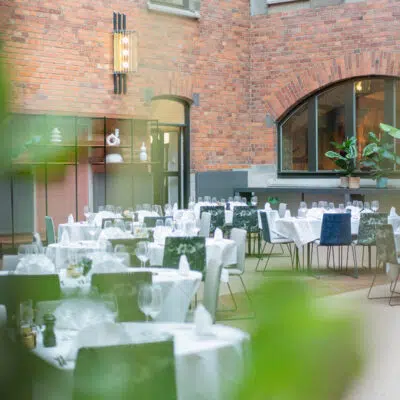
245	217
10	262
239	236
205	224
193	247
143	371
125	286
385	244
151	221
130	245
336	229
217	216
265	227
368	225
50	231
211	287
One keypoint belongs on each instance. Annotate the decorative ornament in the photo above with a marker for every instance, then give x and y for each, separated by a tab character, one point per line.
56	136
113	139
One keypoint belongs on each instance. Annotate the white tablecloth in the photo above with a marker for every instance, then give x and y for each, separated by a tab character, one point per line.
79	231
178	290
58	252
223	251
305	230
206	367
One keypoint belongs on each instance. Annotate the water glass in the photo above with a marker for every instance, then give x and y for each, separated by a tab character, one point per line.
254	201
331	206
100	209
321	204
236	199
110	208
128	226
341	208
314	204
26	314
108	224
303	205
139	207
118	210
120	252
27	249
120	224
150	300
159	222
207	199
360	205
167	210
230	199
367	206
86	212
375	205
244	200
214	200
142	252
199	199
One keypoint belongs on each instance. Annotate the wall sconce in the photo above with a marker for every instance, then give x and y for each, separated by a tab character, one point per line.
125	52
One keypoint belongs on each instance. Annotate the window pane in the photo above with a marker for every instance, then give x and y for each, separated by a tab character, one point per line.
330	124
370	96
295	141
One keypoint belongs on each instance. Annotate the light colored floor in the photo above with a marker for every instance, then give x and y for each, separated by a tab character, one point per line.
379	323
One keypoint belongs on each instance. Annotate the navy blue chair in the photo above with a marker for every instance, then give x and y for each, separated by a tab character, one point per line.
336	232
271	239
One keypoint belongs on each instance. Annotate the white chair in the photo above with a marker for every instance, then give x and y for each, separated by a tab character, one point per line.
239	236
205	224
10	262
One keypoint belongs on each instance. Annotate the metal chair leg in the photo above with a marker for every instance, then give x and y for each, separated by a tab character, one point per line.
355	262
232	297
394	289
260	255
268	257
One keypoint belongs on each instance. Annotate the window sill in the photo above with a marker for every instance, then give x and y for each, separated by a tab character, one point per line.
172	10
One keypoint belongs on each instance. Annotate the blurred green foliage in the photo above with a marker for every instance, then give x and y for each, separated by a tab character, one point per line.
300	351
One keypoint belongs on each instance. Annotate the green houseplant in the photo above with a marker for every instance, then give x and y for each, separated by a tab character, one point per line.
378	155
345	159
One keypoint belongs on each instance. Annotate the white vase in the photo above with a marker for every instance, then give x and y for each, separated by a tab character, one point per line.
143	153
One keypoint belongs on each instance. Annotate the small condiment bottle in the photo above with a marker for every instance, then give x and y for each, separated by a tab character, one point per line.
29	340
49	336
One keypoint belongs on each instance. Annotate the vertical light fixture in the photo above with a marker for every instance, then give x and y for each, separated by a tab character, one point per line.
125	52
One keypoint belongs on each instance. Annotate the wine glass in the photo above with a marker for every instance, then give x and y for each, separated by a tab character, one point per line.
207	199
199	199
214	200
360	205
128	226
341	208
111	303
167	209
145	299
303	205
254	201
314	204
367	206
120	224
321	204
157	300
375	205
100	209
244	201
331	206
139	207
86	212
108	224
118	210
142	252
230	199
120	252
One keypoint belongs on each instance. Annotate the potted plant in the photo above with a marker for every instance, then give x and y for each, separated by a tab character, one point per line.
378	155
345	159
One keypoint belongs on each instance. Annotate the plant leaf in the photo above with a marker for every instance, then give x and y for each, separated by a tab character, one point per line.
391	130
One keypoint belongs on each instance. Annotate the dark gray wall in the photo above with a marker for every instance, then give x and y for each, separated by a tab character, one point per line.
219	183
23	205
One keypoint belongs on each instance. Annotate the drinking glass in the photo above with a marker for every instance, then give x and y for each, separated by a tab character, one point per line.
120	252
214	200
375	205
348	204
145	300
167	210
139	207
223	202
355	203
111	303
199	199
314	204
303	205
100	209
159	222
168	223
27	249
157	300
146	207
360	205
110	208
118	210
367	206
331	206
120	224
128	226
341	208
244	200
108	224
321	204
230	199
236	199
207	199
142	252
254	201
86	212
26	314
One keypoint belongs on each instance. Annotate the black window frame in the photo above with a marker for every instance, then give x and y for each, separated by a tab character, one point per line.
169	3
350	125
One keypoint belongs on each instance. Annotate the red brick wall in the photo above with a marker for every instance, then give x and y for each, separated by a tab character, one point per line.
60	59
296	53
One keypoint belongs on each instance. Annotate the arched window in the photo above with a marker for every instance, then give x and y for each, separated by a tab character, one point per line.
350	108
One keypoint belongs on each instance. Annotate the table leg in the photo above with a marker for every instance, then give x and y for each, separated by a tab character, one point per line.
369	258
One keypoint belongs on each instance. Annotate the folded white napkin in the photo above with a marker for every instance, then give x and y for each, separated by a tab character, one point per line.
202	321
218	235
184	267
70	219
393	212
65	237
288	214
267	206
107	262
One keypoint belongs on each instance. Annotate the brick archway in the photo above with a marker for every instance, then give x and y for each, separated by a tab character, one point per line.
300	85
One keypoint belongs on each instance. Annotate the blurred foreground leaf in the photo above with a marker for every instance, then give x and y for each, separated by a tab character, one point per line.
300	351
